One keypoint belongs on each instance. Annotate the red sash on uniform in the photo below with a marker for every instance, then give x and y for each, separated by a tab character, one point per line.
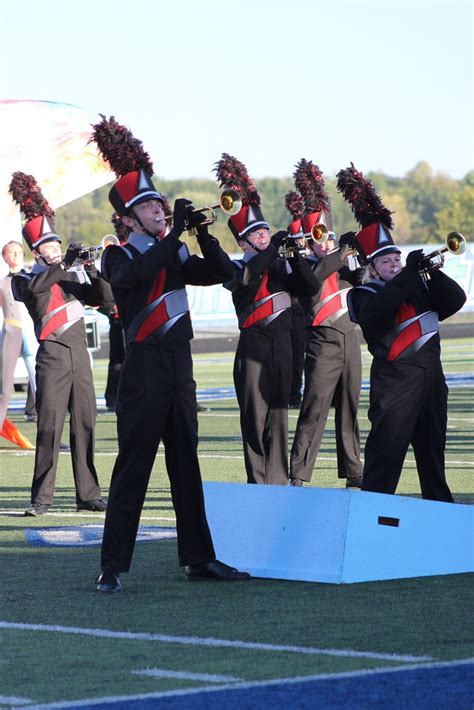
60	314
265	306
158	315
161	312
411	331
332	302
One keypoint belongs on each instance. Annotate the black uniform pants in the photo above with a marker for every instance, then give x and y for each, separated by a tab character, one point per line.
262	378
156	400
116	358
64	383
408	405
298	346
333	374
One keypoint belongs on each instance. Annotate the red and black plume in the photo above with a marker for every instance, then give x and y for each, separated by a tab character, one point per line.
294	204
26	192
119	148
231	173
310	183
359	192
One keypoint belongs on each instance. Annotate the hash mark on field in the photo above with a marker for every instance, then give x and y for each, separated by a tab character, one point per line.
213	642
182	675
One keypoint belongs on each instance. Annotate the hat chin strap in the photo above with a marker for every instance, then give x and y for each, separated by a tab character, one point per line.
247	241
137	218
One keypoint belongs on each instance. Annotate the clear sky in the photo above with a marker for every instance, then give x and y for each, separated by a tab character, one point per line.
383	84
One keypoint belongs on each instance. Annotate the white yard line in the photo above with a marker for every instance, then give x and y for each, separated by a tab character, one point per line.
124	699
212	642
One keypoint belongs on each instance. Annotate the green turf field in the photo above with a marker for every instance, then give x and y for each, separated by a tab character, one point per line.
60	640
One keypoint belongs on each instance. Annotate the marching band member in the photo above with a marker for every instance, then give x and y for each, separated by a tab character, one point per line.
54	297
399	315
261	291
157	393
333	369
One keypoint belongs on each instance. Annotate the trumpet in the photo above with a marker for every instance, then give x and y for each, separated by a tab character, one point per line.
455	244
290	247
230	203
89	254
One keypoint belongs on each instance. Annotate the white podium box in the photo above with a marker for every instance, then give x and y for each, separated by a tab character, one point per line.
337	535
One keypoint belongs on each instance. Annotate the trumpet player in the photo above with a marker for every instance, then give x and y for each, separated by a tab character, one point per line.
54	297
399	315
156	397
333	369
261	288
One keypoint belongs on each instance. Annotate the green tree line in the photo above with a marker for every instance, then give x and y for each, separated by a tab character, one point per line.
425	207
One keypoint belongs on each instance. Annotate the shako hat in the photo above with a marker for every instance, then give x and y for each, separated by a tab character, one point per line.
231	173
374	239
309	182
39	225
130	163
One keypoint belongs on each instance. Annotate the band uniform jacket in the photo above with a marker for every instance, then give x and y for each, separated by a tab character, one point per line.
261	292
408	392
333	373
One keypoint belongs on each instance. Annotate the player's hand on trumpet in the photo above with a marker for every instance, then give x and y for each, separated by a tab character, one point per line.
195	224
72	254
181	212
346	244
278	238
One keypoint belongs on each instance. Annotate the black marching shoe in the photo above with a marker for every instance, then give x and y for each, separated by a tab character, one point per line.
214	570
36	509
97	506
108	582
295	482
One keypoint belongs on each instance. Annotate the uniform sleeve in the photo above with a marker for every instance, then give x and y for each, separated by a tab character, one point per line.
447	295
98	292
214	267
328	265
303	280
253	269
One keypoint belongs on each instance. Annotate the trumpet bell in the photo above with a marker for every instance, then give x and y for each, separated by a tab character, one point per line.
230	202
319	232
456	243
109	240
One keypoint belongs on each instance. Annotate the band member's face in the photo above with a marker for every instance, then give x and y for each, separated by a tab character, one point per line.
321	249
386	266
50	252
150	214
259	238
13	256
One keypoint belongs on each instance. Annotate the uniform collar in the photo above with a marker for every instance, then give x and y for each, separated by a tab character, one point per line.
141	242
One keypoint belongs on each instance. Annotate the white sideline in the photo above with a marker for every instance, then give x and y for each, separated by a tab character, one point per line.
212	642
248	686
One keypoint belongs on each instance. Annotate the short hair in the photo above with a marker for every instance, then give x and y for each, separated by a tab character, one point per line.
12	241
